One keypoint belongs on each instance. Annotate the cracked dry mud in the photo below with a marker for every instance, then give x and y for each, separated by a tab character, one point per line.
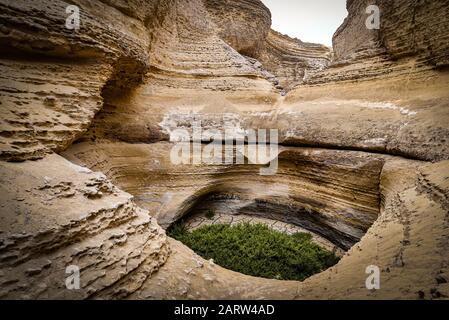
85	171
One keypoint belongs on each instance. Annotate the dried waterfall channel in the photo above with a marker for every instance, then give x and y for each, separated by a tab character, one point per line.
85	167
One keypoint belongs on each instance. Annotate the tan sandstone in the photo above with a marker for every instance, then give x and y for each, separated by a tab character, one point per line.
363	160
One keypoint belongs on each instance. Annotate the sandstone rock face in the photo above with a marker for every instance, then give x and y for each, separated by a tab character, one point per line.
243	24
49	97
407	29
353	37
291	59
380	66
182	48
35	27
46	105
335	194
55	214
411	192
357	140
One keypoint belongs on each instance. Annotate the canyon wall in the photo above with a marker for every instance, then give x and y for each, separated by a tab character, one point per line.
52	77
54	83
107	97
407	29
412	37
398	66
291	59
333	193
55	214
243	24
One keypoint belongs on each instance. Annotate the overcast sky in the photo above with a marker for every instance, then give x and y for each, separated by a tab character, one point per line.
308	20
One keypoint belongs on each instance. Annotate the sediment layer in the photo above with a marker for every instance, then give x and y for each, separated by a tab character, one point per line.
364	162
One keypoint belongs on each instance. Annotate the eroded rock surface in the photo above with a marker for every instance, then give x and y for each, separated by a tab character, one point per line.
407	29
358	138
55	214
243	24
332	193
292	59
52	77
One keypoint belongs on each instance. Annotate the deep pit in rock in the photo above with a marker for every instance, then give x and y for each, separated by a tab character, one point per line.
225	209
310	198
331	194
256	249
261	237
139	69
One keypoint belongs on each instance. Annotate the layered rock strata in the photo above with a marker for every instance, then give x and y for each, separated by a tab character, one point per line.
136	71
412	38
243	24
386	69
291	60
407	29
408	242
52	77
54	215
332	193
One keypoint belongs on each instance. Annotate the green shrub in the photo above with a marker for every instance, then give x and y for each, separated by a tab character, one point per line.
257	250
178	230
210	214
